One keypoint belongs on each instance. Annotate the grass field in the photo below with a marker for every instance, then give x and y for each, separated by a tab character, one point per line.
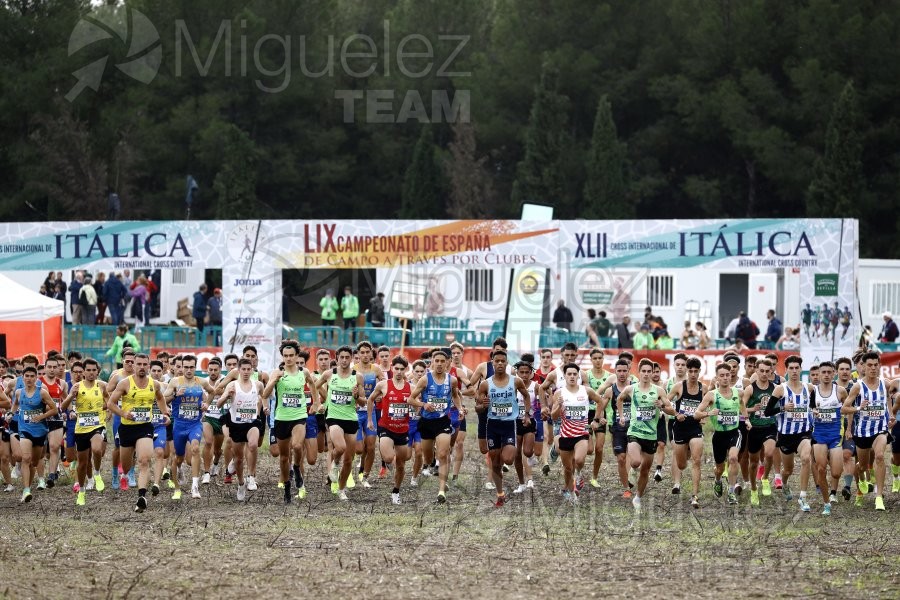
536	545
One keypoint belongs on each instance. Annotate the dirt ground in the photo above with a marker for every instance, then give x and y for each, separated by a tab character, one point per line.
535	545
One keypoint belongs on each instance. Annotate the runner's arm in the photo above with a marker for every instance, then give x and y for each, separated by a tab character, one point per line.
49	403
774	407
161	403
113	404
456	396
226	393
708	399
376	395
556	410
273	381
313	390
416	392
64	405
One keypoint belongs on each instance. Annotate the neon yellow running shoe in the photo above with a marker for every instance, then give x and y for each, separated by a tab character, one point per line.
98	483
895	485
334	487
859	500
766	488
595	483
754	498
301	493
170	484
176	495
79	501
863	486
280	485
351	482
879	503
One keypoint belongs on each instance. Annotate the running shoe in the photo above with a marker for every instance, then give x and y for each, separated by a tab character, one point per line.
195	492
505	468
76	487
176	495
360	476
895	485
166	474
123	482
16	472
787	493
627	494
760	472
51	480
738	487
227	479
79	500
657	477
732	498
241	492
594	483
442	497
636	502
132	480
579	483
529	484
545	470
754	498
205	480
382	472
554	454
9	488
676	489
89	484
215	470
827	510
500	501
365	483
846	493
426	472
395	498
251	483
154	489
695	502
170	484
766	488
778	483
334	487
287	495
414	481
301	492
718	488
863	486
342	495
351	482
280	485
489	485
141	504
41	485
519	489
859	500
832	498
804	505
879	503
26	495
98	483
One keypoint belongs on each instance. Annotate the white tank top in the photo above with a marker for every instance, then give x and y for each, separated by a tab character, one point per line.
245	406
829	401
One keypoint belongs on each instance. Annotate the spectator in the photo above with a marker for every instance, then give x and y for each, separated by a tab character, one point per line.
602	325
126	278
664	341
43	290
200	307
75	297
689	337
643	339
60	293
49	287
623	332
790	340
329	306
101	300
889	331
376	310
648	315
215	308
88	299
123	339
775	328
349	310
562	316
703	341
747	331
140	309
115	293
732	327
657	324
589	328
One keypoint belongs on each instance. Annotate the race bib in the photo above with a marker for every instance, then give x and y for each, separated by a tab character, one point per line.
246	415
827	415
576	413
89	419
188	413
872	412
28	416
158	418
688	410
214	412
797	415
140	415
341	398
644	414
292	401
398	410
502	410
728	419
439	404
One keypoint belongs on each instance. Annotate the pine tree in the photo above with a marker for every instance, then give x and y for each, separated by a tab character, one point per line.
604	190
539	176
838	187
471	189
421	197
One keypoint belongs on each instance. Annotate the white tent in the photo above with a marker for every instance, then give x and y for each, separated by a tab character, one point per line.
31	322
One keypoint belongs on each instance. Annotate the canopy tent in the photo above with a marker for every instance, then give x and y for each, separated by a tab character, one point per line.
31	322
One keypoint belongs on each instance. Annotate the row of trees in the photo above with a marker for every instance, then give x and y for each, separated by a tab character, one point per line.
617	109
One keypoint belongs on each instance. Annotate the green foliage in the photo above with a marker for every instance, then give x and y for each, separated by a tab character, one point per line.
721	109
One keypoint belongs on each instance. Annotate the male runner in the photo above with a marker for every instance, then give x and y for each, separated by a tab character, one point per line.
213	435
482	372
393	424
33	405
687	431
827	434
89	396
725	406
596	377
571	404
611	391
764	431
365	438
246	406
117	376
187	394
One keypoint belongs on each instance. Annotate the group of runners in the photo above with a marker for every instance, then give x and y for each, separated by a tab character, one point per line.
170	427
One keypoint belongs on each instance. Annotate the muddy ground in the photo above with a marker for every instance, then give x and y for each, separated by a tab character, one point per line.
368	548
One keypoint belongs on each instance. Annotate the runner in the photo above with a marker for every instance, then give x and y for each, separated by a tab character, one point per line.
433	394
482	372
596	377
526	444
870	416
89	396
793	401
246	406
365	438
383	360
679	364
117	376
662	430
571	404
393	424
343	390
187	395
291	412
137	394
497	396
845	380
58	390
160	434
462	374
763	432
33	405
213	435
647	402
611	390
687	431
827	434
5	452
725	406
546	366
419	368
